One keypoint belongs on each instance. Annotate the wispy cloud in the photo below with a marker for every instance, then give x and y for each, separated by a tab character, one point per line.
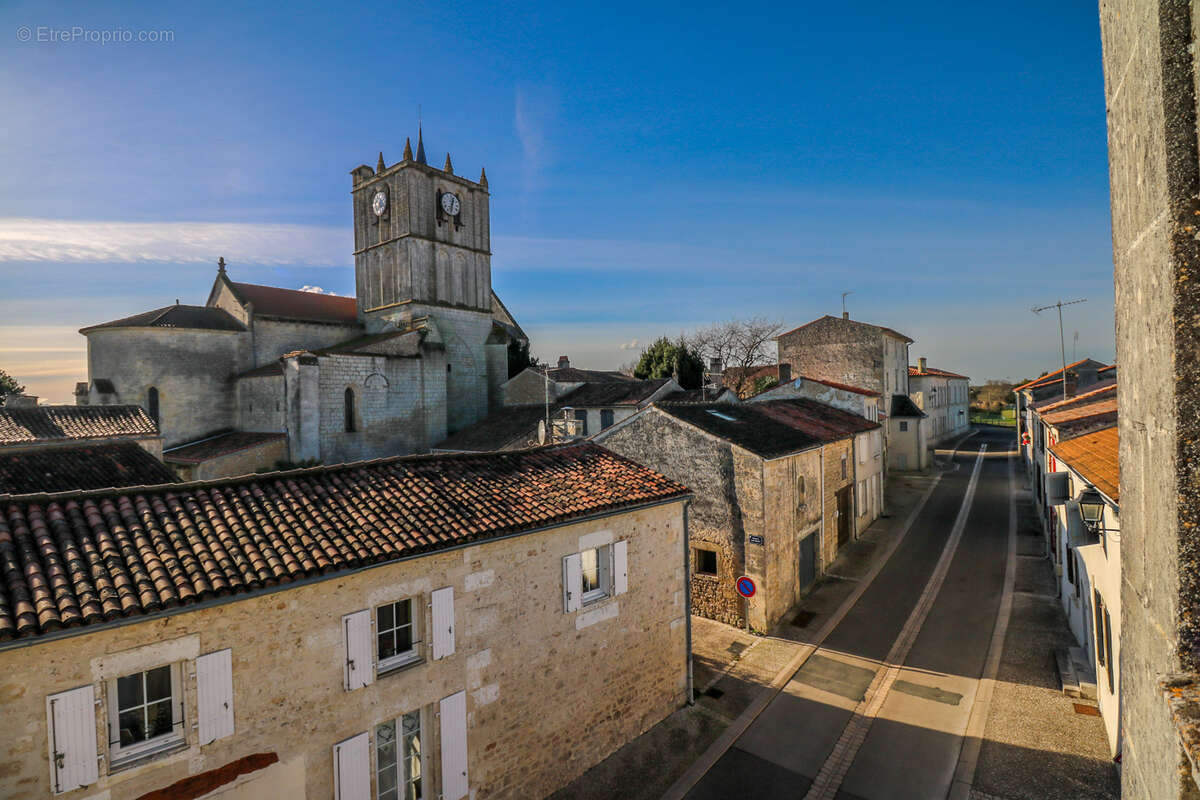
630	345
319	290
33	240
535	110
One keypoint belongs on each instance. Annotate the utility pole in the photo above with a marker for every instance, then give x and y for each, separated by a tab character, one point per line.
1062	342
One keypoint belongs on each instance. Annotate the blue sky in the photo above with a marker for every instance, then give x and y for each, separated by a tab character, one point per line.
653	167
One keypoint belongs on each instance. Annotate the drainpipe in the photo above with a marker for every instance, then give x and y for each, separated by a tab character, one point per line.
821	544
687	600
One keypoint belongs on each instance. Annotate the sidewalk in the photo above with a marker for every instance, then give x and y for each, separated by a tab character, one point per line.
732	668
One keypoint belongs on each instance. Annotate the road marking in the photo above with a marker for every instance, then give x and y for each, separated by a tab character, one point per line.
968	759
709	757
829	778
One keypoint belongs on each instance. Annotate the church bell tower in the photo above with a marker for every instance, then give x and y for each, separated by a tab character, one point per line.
421	238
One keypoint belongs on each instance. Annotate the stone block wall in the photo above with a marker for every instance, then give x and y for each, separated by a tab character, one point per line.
262	406
276	337
387	394
834	452
836	350
792	490
593	679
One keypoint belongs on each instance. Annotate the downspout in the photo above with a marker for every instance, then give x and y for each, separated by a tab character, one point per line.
824	533
687	600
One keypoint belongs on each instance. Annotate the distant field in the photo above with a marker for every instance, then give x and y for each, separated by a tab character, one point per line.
1006	418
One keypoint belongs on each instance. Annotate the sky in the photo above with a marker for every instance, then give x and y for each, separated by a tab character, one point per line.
653	167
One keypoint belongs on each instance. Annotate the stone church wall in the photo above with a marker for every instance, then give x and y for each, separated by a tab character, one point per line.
190	368
275	337
260	402
387	393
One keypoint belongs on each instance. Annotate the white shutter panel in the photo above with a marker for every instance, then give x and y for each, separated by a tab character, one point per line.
359	664
214	688
572	583
454	746
72	718
352	768
443	622
620	567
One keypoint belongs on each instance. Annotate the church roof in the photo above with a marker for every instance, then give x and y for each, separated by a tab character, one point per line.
220	445
271	301
90	558
60	469
612	393
19	426
176	316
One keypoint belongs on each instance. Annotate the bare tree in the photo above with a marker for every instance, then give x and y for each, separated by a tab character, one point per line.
739	344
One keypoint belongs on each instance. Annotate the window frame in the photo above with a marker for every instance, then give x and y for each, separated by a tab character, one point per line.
350	410
604	575
400	659
904	426
696	570
403	776
122	756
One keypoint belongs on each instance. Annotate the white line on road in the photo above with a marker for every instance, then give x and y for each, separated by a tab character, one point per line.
829	778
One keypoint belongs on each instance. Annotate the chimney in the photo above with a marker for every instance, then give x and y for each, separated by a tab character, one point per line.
785	373
564	362
21	401
845	315
921	364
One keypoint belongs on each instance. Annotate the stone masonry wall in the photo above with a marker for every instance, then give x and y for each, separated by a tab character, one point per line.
593	679
836	350
388	398
791	515
1151	102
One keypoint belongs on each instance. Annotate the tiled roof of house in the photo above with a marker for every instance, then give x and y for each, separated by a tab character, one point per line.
217	446
827	317
1073	413
843	386
176	316
573	375
93	557
1056	375
612	393
61	469
903	406
1092	393
59	423
272	301
1094	456
771	428
915	372
498	430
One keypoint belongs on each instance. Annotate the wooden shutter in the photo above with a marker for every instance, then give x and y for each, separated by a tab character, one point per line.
72	718
214	689
352	768
359	670
620	551
454	746
443	622
572	583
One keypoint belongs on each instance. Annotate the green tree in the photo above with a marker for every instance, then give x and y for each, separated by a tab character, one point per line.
762	383
668	359
9	385
519	357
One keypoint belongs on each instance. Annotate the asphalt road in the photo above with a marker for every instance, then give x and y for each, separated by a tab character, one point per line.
880	709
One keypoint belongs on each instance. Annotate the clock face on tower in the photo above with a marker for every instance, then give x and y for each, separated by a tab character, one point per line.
379	203
450	203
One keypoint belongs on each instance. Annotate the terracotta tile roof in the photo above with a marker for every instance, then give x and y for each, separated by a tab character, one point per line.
573	375
1056	375
1101	407
915	372
59	423
61	469
176	316
612	393
217	446
1094	392
91	557
771	428
272	301
879	328
843	386
1094	456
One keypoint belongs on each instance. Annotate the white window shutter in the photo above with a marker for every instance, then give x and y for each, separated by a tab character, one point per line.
454	746
572	583
620	551
360	667
73	756
352	768
443	622
214	689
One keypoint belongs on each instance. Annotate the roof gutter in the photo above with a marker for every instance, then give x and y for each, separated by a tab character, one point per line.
82	630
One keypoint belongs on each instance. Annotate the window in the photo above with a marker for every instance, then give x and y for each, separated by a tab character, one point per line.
351	427
398	758
720	415
145	713
1108	649
1098	614
581	416
706	562
596	566
606	418
801	499
843	465
152	403
903	426
395	634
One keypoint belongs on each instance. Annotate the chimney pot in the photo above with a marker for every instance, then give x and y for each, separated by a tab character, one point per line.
845	315
564	362
921	364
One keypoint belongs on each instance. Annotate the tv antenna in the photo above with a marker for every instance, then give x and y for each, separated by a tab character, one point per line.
1062	343
844	303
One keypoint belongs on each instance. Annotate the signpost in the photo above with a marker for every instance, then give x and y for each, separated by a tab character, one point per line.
746	588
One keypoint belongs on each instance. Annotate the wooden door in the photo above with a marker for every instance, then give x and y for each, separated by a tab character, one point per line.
845	515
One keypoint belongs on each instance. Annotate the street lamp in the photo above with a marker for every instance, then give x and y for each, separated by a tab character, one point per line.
1091	508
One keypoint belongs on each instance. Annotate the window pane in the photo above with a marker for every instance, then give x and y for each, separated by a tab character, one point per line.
590	569
133	726
404	640
387	782
604	559
387	644
384	621
129	691
403	612
158	716
158	684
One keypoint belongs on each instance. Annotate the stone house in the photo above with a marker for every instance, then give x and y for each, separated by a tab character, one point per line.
419	352
774	486
1082	375
538	385
175	642
1088	473
854	399
907	435
849	352
944	397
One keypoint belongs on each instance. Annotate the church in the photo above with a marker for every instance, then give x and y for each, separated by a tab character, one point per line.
260	374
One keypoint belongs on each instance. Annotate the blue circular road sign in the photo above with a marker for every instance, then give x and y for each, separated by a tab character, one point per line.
746	587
